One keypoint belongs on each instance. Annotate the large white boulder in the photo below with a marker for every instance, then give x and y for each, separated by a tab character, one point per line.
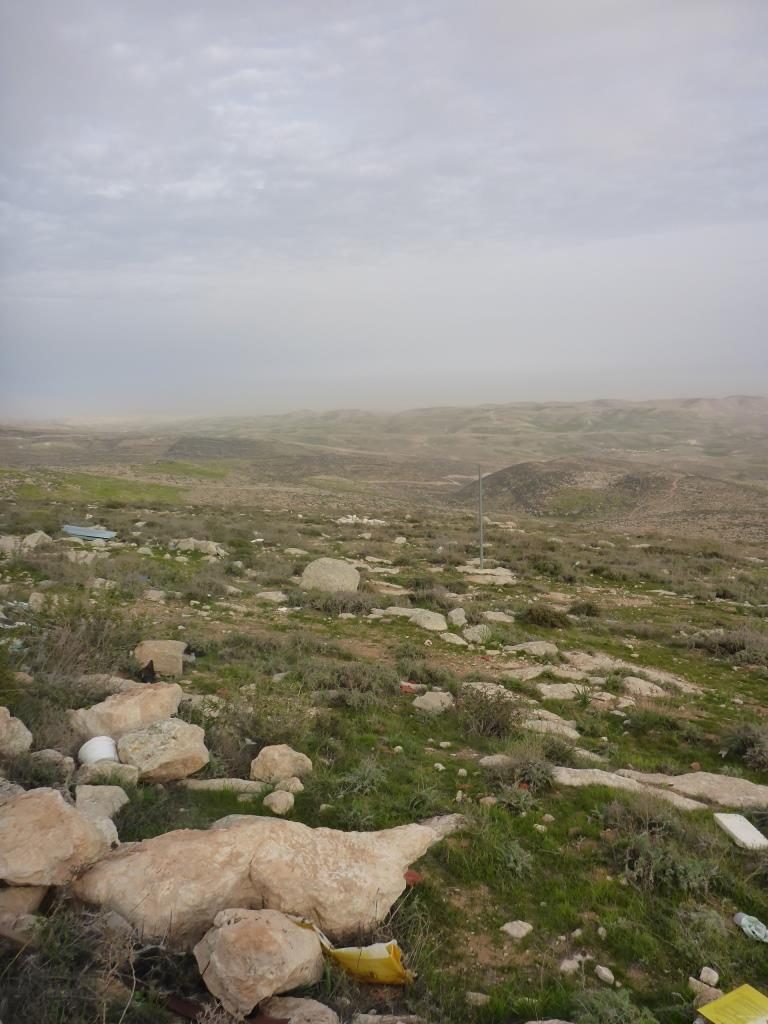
331	575
15	737
167	656
278	763
44	840
126	712
175	884
166	751
249	955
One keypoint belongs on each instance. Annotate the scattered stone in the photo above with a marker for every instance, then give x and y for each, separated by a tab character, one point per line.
517	929
15	737
725	790
558	691
167	656
249	955
555	728
488	801
496	763
536	648
571	965
21	899
278	763
453	638
434	703
642	688
126	712
299	1011
330	575
225	785
477	998
742	832
172	886
107	772
156	596
709	976
604	974
97	802
273	596
279	802
616	780
479	634
44	840
205	547
166	751
291	785
432	621
703	994
498	617
457	617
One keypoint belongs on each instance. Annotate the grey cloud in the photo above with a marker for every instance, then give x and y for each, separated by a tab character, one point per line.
360	192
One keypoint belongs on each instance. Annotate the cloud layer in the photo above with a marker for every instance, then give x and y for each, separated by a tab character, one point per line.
251	206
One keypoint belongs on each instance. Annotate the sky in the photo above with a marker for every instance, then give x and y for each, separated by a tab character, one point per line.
256	206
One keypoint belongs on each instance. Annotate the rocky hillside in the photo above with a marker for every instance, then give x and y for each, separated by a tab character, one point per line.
237	741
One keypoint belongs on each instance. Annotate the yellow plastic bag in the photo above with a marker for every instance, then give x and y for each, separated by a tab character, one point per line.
379	964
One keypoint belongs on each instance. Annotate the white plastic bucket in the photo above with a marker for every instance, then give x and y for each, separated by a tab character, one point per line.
100	748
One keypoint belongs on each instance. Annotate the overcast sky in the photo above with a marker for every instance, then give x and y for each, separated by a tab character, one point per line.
261	205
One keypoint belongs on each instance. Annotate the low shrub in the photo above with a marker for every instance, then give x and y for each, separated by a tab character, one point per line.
489	714
544	616
750	743
609	1006
586	609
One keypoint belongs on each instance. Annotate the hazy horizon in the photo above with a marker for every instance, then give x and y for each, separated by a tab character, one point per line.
255	208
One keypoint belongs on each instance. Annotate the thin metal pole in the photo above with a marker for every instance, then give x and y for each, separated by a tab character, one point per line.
480	514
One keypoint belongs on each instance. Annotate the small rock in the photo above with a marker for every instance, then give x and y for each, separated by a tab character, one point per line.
477	998
517	929
709	976
292	785
457	617
298	1011
279	802
604	974
279	762
480	634
434	702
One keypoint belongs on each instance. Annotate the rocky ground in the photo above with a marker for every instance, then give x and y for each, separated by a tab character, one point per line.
545	779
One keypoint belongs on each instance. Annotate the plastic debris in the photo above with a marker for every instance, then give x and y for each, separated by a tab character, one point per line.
745	1005
378	964
88	532
752	927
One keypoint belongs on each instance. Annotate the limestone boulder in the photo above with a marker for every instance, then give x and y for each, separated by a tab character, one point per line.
166	751
480	634
299	1011
167	656
249	955
279	802
330	575
107	773
434	622
536	648
15	737
97	802
723	790
44	840
637	687
129	711
225	785
175	884
434	703
21	899
280	762
457	617
34	540
617	780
